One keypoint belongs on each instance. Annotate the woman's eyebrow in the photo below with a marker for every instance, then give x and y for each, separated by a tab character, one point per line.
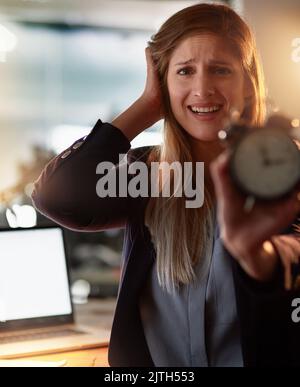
220	62
213	62
192	60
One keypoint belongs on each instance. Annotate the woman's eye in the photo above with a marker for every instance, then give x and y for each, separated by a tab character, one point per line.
184	71
222	70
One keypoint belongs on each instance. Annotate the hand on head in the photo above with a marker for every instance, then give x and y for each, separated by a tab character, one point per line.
152	93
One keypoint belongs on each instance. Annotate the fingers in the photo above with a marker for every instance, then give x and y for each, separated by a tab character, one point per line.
153	92
285	257
148	55
294	244
288	247
150	61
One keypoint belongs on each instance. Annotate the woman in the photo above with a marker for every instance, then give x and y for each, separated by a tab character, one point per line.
199	287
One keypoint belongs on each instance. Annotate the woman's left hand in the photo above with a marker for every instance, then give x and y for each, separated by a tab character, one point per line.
247	235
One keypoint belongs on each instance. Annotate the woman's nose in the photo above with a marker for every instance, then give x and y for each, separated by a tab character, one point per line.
203	87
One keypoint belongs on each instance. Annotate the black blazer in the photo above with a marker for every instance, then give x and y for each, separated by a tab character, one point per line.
66	193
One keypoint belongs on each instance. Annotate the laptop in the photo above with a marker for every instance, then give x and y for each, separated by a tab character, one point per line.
36	310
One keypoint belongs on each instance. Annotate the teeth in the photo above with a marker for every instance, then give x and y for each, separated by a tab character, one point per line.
204	109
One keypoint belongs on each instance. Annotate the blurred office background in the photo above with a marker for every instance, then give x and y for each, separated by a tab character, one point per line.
66	63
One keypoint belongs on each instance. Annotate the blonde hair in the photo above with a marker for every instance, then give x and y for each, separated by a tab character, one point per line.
181	235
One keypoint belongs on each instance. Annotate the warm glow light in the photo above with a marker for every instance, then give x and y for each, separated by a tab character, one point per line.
21	216
8	42
295	123
80	291
29	189
11	219
268	247
222	134
296	51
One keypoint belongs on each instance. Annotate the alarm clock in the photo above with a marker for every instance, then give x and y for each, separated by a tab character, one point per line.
264	161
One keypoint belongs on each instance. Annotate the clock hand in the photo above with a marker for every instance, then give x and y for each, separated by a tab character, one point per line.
265	159
278	162
273	162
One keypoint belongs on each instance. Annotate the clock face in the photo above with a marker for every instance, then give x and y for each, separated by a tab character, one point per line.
266	163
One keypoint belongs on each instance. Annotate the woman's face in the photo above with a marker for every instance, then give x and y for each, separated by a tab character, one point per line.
205	82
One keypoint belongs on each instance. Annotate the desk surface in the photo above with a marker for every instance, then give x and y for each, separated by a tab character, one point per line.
96	314
87	358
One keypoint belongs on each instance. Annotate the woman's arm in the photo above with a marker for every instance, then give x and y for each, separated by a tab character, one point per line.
66	190
147	109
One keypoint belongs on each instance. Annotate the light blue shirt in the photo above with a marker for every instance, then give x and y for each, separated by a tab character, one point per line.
197	326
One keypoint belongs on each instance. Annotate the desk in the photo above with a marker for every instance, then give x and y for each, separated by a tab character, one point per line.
87	358
96	314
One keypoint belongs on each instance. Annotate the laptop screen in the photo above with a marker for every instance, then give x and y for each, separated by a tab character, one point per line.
33	274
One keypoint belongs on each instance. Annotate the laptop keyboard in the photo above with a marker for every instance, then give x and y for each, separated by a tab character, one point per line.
40	335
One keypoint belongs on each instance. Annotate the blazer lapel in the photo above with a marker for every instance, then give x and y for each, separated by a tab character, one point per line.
128	345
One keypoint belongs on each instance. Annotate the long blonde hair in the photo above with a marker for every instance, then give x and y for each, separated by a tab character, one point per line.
181	235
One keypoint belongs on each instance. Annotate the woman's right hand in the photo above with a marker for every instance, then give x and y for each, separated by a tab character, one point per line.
152	93
147	109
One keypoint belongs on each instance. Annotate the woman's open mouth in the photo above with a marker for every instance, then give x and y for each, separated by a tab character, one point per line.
205	113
